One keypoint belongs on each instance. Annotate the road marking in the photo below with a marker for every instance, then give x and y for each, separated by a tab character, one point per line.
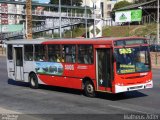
123	108
10	114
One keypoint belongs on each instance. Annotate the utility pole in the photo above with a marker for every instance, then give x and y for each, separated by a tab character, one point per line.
158	22
94	25
71	20
60	20
1	23
29	19
86	19
94	16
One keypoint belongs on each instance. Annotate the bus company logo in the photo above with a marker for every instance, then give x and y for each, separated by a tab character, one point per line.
123	17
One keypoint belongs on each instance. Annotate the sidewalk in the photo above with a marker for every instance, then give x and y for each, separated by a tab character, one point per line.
12	115
5	111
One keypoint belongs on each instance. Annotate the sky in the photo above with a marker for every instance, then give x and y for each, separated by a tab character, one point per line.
44	1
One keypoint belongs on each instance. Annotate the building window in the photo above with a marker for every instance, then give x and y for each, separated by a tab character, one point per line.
108	13
109	7
102	8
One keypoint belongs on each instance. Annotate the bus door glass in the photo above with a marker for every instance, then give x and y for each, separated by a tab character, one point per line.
104	68
18	58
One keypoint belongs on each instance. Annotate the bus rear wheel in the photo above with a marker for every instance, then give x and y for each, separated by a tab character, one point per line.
89	90
33	80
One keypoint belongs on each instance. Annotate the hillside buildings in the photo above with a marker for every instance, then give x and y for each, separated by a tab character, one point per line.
10	22
103	6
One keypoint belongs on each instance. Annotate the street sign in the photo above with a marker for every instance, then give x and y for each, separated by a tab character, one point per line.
128	16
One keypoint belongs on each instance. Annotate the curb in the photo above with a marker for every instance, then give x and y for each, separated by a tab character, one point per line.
12	115
2	54
156	67
6	111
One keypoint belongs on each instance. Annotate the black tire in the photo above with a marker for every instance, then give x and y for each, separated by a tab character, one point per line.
33	80
89	89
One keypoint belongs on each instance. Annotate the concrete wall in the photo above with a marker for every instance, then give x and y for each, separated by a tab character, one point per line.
155	59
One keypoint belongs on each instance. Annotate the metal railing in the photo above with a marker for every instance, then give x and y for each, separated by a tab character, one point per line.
52	14
38	29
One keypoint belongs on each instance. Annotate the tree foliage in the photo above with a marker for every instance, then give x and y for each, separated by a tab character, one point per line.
67	2
121	4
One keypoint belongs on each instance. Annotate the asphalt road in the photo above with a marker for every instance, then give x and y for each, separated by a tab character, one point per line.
46	102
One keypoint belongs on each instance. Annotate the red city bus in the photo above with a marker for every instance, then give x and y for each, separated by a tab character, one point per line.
112	65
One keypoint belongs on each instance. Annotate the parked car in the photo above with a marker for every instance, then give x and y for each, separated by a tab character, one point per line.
155	48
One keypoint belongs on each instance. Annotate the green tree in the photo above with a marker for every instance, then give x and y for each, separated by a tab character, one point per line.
67	2
121	4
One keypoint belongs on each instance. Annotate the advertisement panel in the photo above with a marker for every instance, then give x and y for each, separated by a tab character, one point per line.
128	16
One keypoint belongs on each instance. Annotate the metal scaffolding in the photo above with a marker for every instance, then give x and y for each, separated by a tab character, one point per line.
29	19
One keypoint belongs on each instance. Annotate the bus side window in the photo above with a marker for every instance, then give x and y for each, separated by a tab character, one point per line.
9	52
85	54
69	53
28	52
54	53
39	54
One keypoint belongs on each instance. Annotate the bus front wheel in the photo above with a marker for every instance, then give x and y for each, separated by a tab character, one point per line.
89	90
33	80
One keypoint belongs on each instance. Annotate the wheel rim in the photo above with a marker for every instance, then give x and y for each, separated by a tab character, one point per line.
90	88
32	82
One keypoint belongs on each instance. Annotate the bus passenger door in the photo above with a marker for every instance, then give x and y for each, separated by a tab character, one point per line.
18	58
104	69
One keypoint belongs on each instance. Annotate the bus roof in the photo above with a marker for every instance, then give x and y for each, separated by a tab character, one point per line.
108	40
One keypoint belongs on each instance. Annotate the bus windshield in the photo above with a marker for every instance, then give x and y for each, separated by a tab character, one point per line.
132	60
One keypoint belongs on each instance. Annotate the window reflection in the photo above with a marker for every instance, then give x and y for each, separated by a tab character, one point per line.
130	60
